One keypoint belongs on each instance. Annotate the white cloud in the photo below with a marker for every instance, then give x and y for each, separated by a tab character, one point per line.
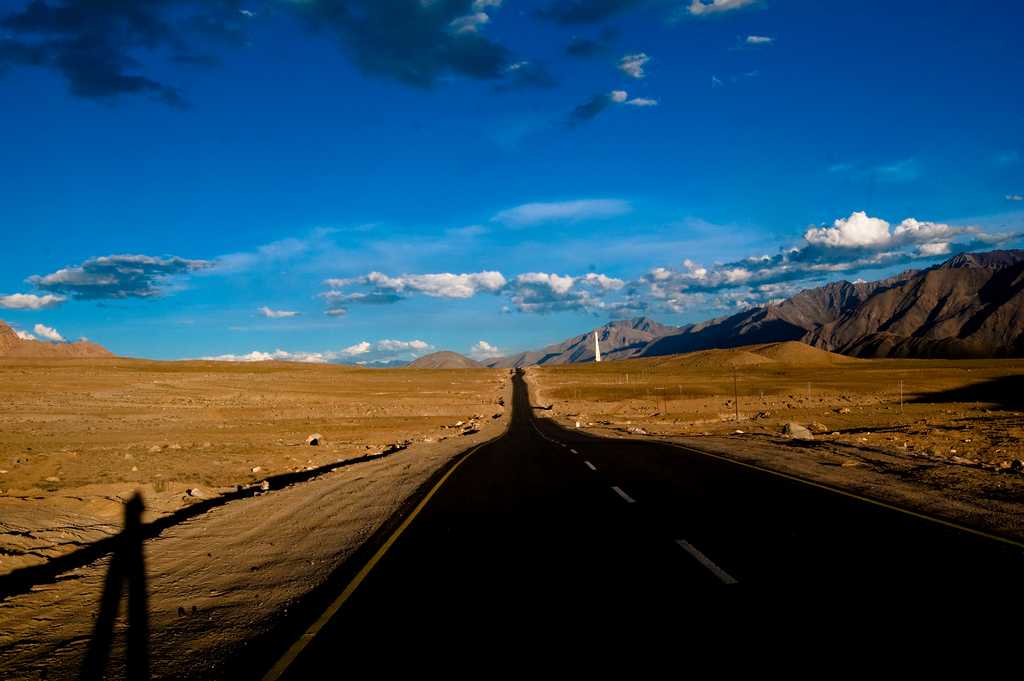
759	40
480	5
388	345
277	314
469	23
618	96
24	335
48	332
856	230
643	101
934	249
699	8
529	214
633	64
278	355
441	285
30	301
483	350
357	349
716	81
1014	197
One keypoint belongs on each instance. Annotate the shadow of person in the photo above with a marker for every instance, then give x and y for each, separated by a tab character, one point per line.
127	565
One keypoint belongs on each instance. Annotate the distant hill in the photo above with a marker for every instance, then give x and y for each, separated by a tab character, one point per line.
444	360
619	340
972	305
13	346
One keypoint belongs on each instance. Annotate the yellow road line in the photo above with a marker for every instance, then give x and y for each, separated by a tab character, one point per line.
851	495
307	637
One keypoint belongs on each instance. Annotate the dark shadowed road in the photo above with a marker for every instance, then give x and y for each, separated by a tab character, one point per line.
564	530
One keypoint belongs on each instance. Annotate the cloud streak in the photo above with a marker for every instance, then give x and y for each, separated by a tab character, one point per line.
532	214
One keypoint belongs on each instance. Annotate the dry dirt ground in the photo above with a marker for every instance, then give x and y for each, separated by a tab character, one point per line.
78	437
954	447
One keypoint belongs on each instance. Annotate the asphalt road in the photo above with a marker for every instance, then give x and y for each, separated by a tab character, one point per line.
555	527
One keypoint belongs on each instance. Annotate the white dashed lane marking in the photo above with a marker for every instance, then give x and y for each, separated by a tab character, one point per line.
574	451
628	499
590	465
706	562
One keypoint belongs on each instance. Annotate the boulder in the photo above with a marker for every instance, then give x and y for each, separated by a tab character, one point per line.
315	440
818	428
797	432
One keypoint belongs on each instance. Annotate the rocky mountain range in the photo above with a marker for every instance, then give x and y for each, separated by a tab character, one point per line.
11	345
619	339
972	305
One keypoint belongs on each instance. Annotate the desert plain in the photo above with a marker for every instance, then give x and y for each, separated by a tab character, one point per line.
944	437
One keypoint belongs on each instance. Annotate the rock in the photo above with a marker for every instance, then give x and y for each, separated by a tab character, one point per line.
256	469
1017	466
796	431
819	428
314	440
578	424
53	478
265	486
496	416
843	410
849	463
962	461
135	469
737	432
763	415
458	424
194	492
154	449
637	430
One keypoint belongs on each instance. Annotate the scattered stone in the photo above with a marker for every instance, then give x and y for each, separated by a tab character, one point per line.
181	611
737	432
458	424
265	486
53	478
256	469
577	424
496	416
818	428
636	430
843	410
1017	466
314	440
135	469
428	440
849	463
963	461
763	415
194	492
796	431
175	446
154	449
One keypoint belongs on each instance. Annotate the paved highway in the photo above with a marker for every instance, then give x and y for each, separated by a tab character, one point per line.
560	528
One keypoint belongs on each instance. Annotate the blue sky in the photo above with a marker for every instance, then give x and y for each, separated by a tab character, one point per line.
179	176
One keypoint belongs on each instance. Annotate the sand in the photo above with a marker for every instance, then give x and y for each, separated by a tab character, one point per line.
241	563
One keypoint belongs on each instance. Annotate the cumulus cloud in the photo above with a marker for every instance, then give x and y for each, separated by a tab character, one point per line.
633	64
469	23
24	335
530	214
759	40
484	350
857	242
1014	197
642	101
48	332
277	314
701	8
541	292
117	276
357	349
527	292
29	301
